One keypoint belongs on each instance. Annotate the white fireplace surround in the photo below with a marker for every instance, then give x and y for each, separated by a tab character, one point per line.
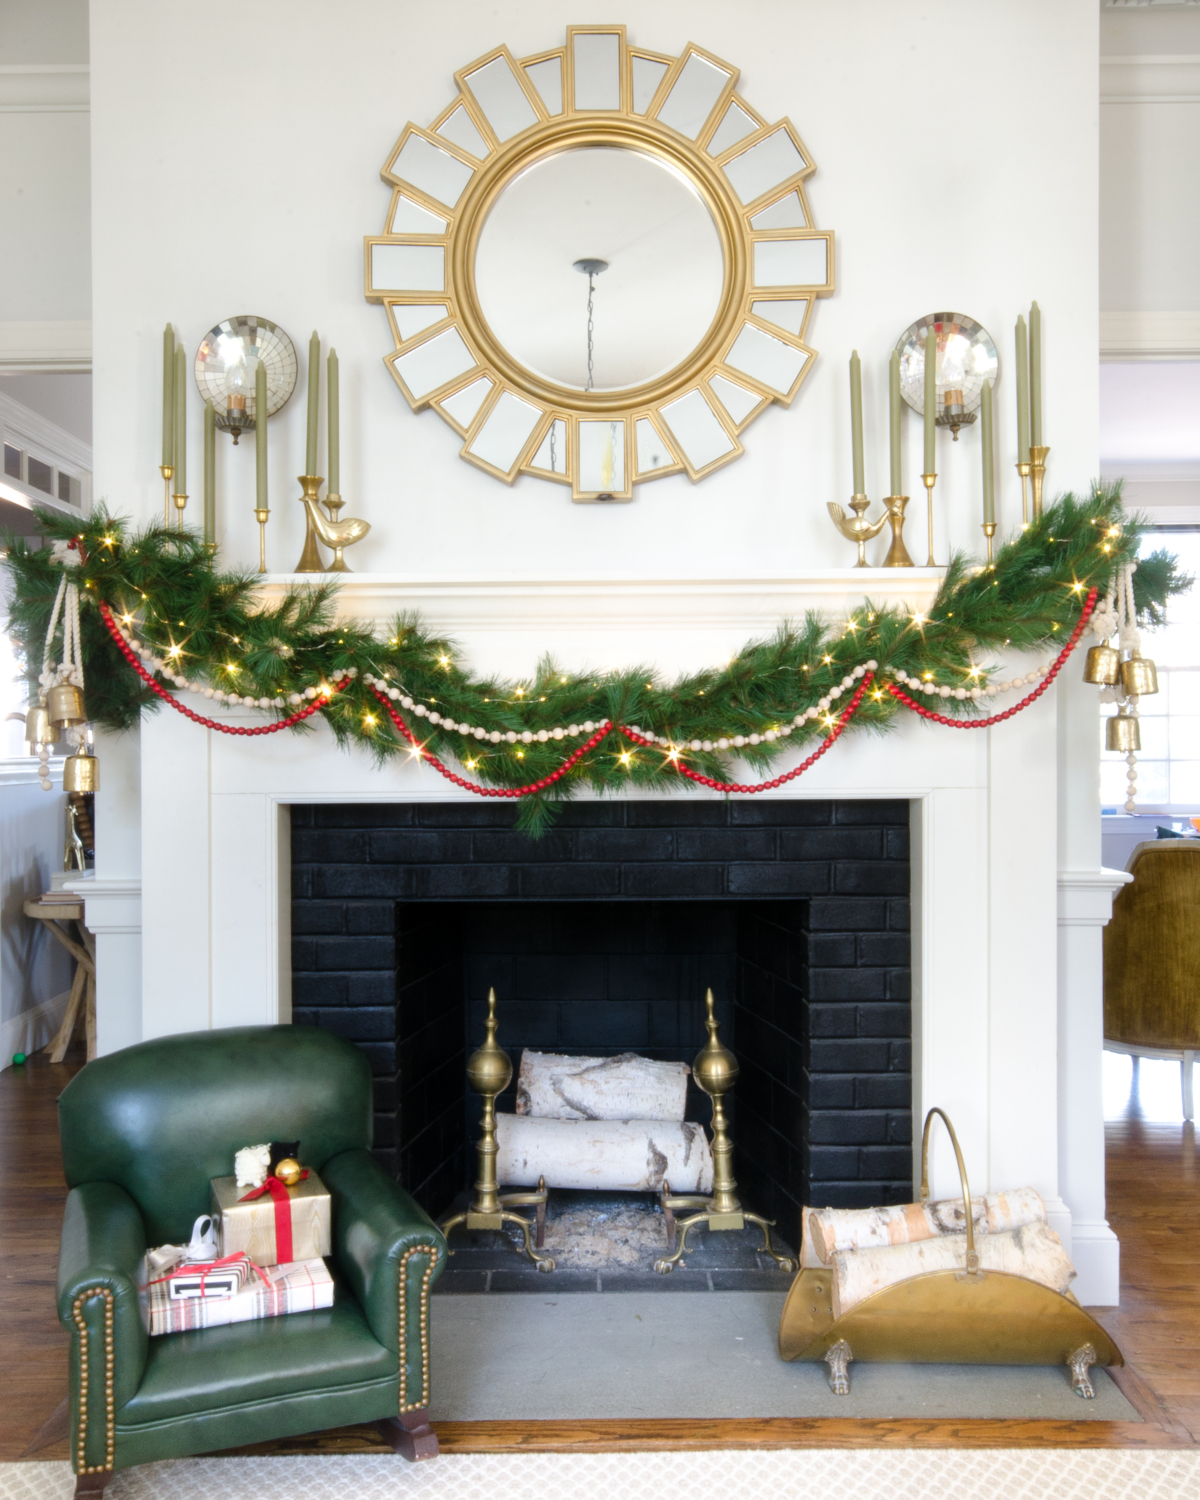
1008	895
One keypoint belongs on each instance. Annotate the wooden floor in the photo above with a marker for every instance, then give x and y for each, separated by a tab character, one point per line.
1153	1206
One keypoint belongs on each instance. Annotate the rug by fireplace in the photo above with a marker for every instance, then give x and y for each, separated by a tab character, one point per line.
864	1474
517	1356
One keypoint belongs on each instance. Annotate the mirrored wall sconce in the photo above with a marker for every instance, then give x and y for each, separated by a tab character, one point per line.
226	367
966	361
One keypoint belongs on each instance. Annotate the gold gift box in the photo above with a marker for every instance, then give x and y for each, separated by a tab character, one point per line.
251	1226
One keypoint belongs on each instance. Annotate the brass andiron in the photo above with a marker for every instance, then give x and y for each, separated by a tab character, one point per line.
859	529
715	1070
929	480
166	470
489	1070
989	531
897	553
1037	468
262	516
1023	469
310	558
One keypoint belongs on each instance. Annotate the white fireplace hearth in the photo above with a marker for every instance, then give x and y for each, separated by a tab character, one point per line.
1008	894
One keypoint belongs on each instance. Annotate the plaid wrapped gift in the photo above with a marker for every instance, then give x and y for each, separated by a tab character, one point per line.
301	1286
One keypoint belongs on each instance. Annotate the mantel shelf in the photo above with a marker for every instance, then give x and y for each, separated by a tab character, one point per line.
585	604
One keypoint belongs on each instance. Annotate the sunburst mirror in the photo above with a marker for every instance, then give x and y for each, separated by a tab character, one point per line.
599	264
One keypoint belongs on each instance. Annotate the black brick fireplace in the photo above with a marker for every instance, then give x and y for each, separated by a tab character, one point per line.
601	938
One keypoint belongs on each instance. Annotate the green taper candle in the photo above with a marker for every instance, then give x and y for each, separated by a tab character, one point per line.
894	420
931	402
1022	392
1035	376
334	456
168	425
260	436
314	386
210	472
987	442
179	482
856	441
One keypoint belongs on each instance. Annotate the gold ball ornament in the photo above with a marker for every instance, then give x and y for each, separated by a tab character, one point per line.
288	1171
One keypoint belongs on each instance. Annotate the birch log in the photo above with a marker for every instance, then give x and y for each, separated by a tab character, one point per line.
634	1156
552	1087
831	1229
1033	1251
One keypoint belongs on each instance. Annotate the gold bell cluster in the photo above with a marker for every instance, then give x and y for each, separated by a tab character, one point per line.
60	711
1122	672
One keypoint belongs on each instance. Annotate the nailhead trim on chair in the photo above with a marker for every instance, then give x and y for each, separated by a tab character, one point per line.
81	1466
431	1251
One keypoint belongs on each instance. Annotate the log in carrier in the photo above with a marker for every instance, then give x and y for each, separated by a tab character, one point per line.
553	1087
1034	1252
831	1229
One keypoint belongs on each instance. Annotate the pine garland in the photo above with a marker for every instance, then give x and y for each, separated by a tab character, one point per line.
212	626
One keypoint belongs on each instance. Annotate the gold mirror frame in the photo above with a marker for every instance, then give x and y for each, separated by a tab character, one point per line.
750	174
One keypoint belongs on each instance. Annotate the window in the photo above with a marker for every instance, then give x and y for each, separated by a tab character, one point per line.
1168	768
12	461
39	475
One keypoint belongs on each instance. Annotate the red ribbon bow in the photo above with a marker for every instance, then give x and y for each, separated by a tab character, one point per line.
189	1268
283	1213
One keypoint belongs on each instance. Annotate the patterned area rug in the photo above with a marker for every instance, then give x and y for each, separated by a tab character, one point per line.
903	1474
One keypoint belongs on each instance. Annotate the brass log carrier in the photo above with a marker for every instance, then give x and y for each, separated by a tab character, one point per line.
715	1070
968	1316
489	1071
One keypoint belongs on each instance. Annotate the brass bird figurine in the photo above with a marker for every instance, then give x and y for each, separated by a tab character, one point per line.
859	529
336	534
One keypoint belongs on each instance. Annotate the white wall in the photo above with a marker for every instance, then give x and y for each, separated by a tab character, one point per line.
207	206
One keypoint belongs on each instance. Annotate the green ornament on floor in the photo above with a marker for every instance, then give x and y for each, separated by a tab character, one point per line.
18	1059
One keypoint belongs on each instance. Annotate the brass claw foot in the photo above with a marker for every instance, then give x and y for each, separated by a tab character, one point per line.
838	1359
668	1262
784	1262
542	1262
1084	1356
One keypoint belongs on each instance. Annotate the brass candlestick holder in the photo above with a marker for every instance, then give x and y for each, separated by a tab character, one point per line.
1023	469
989	531
1037	470
897	553
310	558
929	480
716	1071
180	502
166	470
859	529
262	516
489	1070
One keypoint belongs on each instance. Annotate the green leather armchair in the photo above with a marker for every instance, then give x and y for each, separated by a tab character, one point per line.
143	1131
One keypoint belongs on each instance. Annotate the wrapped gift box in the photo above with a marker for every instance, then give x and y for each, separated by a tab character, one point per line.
205	1280
255	1225
300	1287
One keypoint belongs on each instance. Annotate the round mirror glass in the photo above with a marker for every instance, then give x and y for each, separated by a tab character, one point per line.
632	227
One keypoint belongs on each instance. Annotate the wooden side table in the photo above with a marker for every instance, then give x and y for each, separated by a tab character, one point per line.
53	914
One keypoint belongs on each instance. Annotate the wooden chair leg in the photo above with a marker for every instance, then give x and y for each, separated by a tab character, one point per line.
92	1484
410	1435
58	1047
90	1018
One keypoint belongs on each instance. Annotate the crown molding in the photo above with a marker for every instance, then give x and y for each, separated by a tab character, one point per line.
45	88
49	439
1149	335
63	345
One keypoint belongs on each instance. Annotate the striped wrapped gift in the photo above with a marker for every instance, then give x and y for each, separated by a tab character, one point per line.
300	1286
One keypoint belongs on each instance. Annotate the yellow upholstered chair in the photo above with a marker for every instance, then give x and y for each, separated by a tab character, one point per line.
1152	959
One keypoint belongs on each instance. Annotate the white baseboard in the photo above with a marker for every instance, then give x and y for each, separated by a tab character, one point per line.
33	1028
1096	1252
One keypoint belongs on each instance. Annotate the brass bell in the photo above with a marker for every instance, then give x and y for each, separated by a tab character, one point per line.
1139	676
1103	666
66	706
38	730
1123	732
81	773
